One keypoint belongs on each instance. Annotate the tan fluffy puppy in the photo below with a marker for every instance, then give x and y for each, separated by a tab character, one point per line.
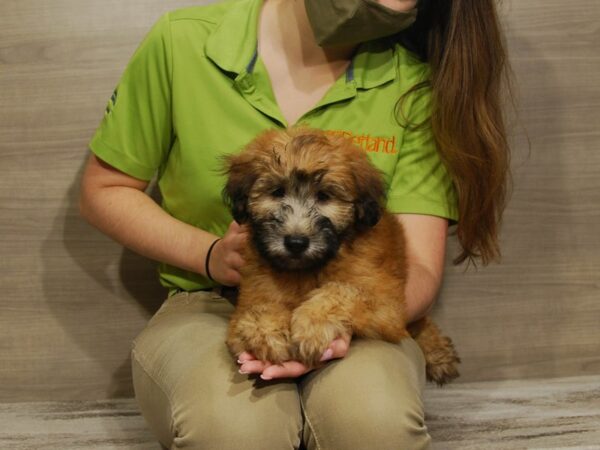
325	258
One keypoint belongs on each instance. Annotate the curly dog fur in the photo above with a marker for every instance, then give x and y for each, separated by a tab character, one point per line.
325	258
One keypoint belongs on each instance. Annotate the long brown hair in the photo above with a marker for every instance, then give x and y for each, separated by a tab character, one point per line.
463	44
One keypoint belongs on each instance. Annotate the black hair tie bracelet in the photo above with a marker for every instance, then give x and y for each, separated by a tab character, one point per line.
207	261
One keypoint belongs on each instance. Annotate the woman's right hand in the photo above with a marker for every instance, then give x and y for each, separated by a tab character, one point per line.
290	369
226	258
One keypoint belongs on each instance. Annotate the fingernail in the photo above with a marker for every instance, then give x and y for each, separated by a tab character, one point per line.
243	372
327	355
266	377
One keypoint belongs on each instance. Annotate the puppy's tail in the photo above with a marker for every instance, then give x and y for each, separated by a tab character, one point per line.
440	356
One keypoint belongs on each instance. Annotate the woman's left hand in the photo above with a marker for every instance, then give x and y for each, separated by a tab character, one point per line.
290	369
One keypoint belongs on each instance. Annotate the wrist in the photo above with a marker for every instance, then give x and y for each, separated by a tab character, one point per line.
209	253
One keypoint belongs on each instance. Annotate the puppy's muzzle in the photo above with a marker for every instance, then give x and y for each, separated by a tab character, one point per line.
296	244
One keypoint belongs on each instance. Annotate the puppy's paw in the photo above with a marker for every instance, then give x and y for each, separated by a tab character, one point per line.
273	347
440	356
267	337
311	335
442	362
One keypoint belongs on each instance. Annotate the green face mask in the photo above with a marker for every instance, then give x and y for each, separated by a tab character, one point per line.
345	22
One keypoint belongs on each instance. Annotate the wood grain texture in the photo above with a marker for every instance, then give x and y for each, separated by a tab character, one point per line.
73	300
516	414
535	414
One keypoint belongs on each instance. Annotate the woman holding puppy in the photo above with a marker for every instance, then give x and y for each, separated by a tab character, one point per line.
416	84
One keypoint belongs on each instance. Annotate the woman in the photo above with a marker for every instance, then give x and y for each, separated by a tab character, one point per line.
204	82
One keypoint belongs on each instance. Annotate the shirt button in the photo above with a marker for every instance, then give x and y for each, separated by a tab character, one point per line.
246	85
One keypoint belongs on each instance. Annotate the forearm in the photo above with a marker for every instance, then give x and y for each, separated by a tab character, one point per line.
421	290
425	238
133	219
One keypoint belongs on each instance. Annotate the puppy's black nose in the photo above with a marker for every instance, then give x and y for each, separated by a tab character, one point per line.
296	244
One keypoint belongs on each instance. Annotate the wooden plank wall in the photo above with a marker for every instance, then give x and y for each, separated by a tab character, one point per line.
73	300
538	313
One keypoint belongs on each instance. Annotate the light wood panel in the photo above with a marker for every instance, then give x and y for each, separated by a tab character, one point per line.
73	300
538	312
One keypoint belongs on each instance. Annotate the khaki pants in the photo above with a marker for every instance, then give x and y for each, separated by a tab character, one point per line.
192	396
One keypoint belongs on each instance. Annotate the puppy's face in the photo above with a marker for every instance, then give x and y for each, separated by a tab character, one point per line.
302	193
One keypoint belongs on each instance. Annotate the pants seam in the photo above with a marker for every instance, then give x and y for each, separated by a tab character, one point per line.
168	397
308	422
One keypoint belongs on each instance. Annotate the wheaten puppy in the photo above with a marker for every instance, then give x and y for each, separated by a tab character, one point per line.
325	258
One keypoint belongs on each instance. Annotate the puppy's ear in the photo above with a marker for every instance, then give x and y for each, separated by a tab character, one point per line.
368	214
240	178
370	188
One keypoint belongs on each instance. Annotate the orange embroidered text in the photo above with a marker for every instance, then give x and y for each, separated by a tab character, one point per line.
372	144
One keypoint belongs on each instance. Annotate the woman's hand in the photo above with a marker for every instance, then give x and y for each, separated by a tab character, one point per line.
289	369
226	257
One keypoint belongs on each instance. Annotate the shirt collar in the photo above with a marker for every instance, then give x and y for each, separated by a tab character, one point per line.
373	64
232	46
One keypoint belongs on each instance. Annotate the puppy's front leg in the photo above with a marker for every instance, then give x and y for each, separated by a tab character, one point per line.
262	329
340	309
323	317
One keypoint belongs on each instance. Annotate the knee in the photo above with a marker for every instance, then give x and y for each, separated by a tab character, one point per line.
198	428
371	422
370	400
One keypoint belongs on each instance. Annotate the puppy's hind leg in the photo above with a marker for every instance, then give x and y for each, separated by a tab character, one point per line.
440	356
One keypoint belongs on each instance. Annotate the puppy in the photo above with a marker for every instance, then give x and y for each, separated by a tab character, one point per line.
325	259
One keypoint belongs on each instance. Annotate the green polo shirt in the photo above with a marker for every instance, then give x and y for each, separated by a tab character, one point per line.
196	89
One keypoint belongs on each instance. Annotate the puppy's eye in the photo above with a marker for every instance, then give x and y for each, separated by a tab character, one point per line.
323	196
278	193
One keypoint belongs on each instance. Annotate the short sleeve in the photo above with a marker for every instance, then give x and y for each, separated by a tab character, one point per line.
421	183
136	132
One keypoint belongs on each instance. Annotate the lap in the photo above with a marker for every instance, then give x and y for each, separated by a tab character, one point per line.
371	398
192	395
181	364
